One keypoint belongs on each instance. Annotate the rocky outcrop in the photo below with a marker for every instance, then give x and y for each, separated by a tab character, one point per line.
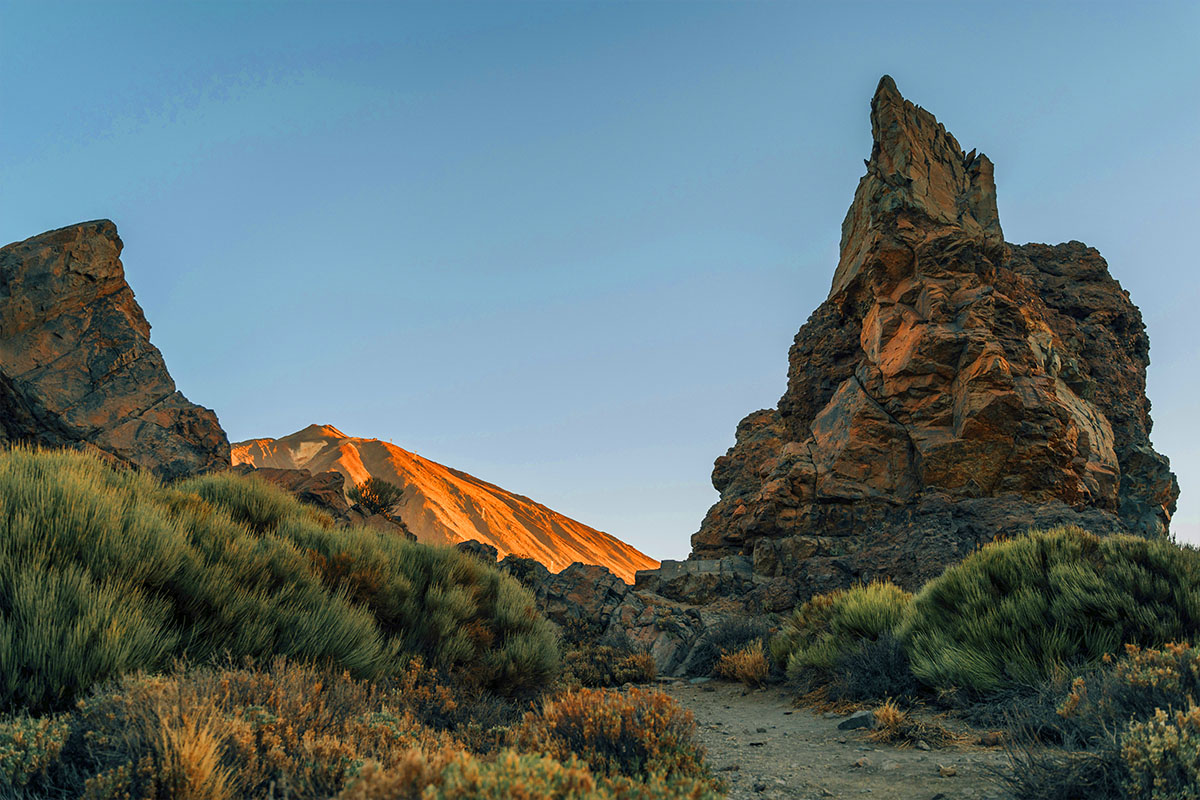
950	389
441	505
77	368
327	492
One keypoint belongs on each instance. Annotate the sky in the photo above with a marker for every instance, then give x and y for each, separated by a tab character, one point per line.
565	246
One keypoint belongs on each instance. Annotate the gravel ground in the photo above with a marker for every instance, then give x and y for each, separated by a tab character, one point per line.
764	747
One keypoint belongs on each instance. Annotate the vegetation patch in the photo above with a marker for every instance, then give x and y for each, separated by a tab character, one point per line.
1020	611
635	733
830	626
748	665
105	572
607	665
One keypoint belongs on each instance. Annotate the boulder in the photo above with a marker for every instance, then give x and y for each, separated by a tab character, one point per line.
580	600
77	368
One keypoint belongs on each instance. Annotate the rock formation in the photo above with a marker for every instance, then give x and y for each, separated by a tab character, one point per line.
441	505
950	389
77	368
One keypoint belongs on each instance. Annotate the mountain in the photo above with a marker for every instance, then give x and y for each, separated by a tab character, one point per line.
950	389
445	506
77	368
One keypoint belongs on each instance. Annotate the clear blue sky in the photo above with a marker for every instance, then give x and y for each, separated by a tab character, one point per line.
565	246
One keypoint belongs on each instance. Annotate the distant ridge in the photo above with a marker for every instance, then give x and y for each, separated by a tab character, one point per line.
442	505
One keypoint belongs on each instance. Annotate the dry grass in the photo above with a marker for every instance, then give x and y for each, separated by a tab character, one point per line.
748	665
894	725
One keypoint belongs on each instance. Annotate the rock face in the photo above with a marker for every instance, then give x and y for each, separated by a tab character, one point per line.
441	505
77	368
950	389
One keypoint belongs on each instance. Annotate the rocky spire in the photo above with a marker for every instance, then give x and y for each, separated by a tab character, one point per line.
952	388
916	168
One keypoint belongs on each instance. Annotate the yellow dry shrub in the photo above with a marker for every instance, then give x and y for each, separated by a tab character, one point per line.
893	725
510	775
1162	755
634	733
748	665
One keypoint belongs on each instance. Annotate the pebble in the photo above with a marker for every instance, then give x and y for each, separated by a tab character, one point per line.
863	762
923	745
947	772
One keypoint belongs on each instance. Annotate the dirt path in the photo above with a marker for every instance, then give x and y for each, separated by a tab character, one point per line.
765	748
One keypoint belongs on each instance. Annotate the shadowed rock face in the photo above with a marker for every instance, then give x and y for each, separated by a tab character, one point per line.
77	368
951	388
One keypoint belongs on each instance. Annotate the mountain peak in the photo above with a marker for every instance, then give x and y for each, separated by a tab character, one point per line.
916	170
325	431
441	505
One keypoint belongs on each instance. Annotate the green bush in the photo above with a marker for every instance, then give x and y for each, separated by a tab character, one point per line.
375	495
105	571
1019	611
829	626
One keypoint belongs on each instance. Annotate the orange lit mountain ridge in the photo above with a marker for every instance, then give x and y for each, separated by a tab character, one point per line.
445	506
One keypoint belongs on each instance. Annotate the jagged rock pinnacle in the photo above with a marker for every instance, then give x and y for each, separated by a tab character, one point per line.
950	390
916	169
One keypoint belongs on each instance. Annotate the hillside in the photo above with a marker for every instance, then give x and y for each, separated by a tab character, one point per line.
445	506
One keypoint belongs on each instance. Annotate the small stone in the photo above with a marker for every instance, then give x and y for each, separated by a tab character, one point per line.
828	714
947	772
760	730
857	720
863	762
698	681
759	786
923	745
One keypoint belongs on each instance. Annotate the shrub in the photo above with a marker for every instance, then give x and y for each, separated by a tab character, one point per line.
873	670
832	625
106	571
637	733
748	665
1018	611
375	495
1134	723
452	775
601	665
894	725
28	748
215	734
1162	755
724	637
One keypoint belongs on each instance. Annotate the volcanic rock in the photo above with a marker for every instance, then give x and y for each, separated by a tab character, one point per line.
77	368
441	505
952	388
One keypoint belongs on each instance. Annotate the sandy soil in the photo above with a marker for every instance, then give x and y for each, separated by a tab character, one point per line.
764	747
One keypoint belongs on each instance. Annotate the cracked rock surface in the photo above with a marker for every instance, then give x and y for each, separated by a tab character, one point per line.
950	389
77	368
